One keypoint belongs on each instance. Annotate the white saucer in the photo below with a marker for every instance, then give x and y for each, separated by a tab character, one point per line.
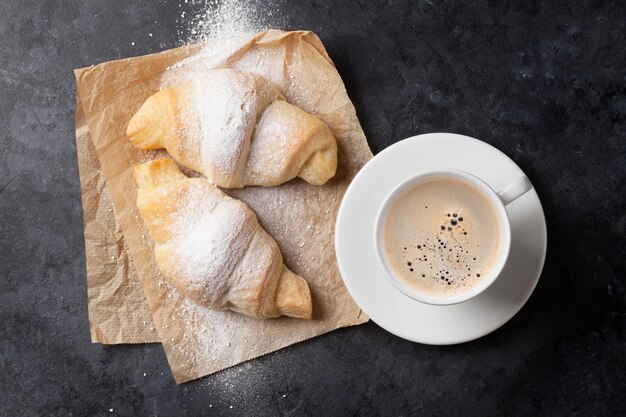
364	276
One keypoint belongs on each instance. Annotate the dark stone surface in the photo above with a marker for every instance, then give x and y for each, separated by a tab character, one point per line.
545	83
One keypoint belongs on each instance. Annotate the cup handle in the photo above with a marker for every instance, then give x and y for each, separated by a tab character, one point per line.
515	190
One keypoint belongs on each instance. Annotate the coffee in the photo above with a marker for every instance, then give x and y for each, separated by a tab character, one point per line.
441	237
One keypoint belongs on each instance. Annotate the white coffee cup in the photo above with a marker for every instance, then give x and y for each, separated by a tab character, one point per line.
499	201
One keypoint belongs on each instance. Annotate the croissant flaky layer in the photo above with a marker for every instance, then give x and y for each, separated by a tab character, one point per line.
237	129
212	248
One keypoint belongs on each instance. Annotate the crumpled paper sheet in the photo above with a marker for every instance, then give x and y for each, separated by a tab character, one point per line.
301	217
117	306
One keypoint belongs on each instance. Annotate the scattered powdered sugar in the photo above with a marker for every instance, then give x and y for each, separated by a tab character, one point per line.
218	25
212	334
204	19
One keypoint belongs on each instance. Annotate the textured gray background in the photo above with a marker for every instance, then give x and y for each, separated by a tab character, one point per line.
544	82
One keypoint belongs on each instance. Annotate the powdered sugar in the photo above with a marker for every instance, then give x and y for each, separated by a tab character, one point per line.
211	236
225	127
204	19
228	103
219	26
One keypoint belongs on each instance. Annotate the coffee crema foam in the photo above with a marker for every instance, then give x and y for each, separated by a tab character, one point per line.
441	237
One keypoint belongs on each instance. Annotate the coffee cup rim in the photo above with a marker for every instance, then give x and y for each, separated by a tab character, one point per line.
487	281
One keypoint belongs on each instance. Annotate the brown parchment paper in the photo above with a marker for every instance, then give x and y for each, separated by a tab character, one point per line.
118	309
301	217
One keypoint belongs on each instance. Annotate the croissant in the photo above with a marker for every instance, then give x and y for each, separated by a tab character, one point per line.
211	247
237	129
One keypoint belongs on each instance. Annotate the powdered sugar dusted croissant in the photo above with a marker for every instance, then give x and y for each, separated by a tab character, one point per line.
211	247
237	129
